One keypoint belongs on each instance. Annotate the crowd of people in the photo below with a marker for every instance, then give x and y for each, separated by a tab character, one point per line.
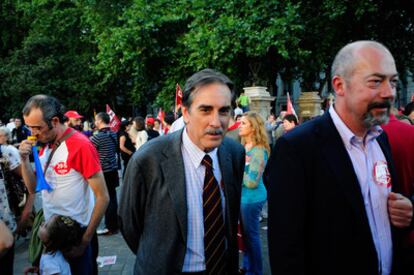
337	190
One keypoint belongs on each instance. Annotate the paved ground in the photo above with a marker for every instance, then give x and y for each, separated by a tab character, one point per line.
115	245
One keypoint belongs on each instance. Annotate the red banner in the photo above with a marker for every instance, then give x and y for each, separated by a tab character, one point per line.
290	109
114	122
178	98
161	115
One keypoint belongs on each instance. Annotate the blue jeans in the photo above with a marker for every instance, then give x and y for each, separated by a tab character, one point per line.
252	257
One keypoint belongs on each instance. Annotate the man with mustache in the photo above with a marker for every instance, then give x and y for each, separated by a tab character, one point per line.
334	201
181	195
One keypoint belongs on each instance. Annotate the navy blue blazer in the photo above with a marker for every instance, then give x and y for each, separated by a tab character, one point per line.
317	219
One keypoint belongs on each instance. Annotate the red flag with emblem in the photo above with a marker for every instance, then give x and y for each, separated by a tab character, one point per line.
178	98
114	121
290	109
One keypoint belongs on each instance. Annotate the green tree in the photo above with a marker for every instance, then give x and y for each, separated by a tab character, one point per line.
54	58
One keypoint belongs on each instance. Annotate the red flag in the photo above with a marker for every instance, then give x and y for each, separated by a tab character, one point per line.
178	98
114	122
290	109
161	115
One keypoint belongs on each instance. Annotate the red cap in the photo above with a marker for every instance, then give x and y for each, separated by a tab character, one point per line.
72	114
150	120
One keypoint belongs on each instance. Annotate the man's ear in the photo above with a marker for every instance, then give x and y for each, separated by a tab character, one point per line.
338	84
54	121
186	114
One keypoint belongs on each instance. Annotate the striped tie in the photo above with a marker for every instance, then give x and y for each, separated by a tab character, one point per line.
214	246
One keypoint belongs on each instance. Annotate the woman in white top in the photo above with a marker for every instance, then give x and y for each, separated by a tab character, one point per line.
142	136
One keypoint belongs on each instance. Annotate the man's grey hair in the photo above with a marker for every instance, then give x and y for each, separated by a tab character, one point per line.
49	105
7	133
345	60
202	78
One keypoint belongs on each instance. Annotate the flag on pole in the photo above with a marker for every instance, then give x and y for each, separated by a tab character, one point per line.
290	109
161	115
178	98
114	121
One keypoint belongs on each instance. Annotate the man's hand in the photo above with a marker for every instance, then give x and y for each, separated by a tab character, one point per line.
24	220
25	148
77	251
31	270
400	210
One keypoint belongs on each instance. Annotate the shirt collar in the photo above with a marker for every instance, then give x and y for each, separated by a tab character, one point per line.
196	155
348	137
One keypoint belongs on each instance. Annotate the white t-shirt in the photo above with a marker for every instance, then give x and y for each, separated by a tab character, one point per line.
74	161
142	137
11	159
178	124
54	264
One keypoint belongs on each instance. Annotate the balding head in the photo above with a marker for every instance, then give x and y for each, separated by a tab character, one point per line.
346	59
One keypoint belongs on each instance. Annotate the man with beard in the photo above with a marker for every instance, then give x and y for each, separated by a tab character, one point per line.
334	201
74	120
71	167
181	195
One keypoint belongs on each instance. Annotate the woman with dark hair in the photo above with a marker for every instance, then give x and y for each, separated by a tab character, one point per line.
126	146
142	136
253	196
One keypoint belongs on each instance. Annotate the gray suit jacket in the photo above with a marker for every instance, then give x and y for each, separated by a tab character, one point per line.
153	205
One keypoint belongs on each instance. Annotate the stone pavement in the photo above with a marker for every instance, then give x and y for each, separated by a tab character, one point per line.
115	245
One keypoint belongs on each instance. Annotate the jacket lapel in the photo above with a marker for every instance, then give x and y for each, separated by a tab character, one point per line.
227	178
173	170
339	162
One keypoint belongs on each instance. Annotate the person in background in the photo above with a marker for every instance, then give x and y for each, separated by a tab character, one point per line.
178	124
169	120
126	146
11	125
290	121
401	137
237	110
19	133
409	111
158	127
244	102
254	194
149	123
74	120
106	143
335	205
87	130
233	130
279	129
270	125
141	133
10	163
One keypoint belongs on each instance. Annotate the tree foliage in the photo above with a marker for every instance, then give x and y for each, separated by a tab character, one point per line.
131	53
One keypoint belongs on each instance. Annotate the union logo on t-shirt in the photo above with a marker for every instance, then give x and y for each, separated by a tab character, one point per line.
61	168
382	175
